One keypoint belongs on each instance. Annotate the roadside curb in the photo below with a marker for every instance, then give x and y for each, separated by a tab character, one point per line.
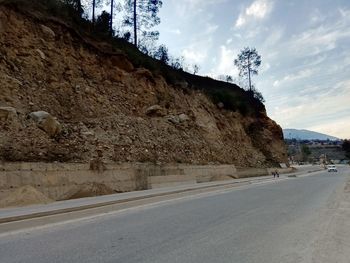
308	173
102	204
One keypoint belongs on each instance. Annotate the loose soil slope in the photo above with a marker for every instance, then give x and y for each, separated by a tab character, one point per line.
101	103
23	196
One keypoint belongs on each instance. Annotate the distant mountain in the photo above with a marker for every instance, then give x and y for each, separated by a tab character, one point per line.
306	135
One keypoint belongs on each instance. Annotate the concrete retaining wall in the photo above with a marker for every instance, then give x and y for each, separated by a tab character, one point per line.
170	175
57	179
251	172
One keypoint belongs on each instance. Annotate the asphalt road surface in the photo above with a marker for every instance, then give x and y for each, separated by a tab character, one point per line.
281	222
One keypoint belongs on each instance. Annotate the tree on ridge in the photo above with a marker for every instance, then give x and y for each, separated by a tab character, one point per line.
248	62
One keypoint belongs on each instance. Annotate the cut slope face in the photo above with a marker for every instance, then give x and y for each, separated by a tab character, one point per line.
102	106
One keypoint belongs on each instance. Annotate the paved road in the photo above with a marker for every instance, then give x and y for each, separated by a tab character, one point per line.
274	222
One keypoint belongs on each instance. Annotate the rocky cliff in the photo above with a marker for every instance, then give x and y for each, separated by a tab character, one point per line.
65	99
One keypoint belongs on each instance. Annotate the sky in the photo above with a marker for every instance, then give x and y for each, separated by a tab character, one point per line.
304	45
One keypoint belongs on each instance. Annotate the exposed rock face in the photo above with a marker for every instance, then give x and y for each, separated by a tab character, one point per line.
155	110
48	32
103	102
183	117
41	54
46	122
173	119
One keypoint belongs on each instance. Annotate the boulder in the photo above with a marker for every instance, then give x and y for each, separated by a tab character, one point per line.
173	119
220	105
183	117
155	110
46	122
49	34
7	113
41	54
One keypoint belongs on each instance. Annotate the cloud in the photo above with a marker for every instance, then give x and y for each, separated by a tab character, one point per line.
293	77
175	31
265	67
194	55
305	111
316	16
224	64
274	37
314	61
240	21
345	13
193	7
197	3
258	10
315	41
197	50
336	127
320	39
211	29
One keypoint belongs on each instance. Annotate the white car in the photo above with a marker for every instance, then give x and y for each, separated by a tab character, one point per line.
332	168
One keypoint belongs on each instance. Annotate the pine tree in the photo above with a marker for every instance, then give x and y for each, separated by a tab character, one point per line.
248	62
142	15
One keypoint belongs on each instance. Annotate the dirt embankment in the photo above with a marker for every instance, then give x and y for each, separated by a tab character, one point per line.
26	195
85	103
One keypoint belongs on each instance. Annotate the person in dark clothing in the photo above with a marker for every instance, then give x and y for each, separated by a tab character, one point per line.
276	173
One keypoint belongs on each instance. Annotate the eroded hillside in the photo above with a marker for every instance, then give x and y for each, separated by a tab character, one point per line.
102	104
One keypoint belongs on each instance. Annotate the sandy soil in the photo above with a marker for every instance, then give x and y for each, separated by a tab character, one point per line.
23	196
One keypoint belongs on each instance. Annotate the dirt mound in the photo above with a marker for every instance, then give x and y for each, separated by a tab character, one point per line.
25	195
88	190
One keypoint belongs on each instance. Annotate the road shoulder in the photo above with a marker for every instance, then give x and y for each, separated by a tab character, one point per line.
334	241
